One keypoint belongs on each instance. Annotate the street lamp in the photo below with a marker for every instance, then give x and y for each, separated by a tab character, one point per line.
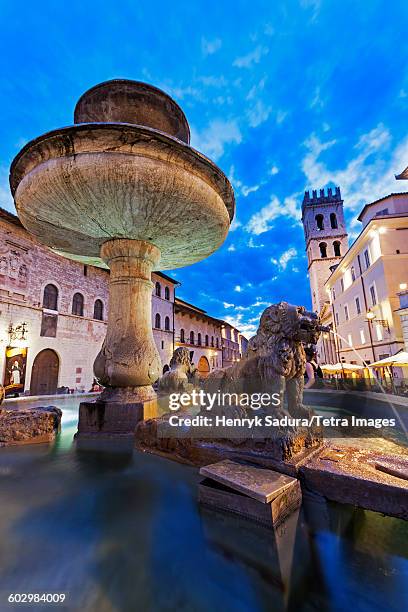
371	317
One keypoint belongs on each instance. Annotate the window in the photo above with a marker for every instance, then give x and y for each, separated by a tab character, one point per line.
353	274
337	318
367	258
333	220
157	321
166	293
342	284
167	324
378	331
373	295
50	297
98	310
182	336
362	336
350	340
358	307
346	313
85	270
78	304
323	249
206	340
212	340
336	247
191	337
320	222
158	289
217	343
199	339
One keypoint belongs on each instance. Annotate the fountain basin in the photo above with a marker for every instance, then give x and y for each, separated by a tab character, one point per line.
80	186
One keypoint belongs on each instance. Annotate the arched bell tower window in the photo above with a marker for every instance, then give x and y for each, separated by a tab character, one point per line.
323	249
166	293
158	289
336	246
167	324
157	321
182	337
199	339
333	220
320	222
191	337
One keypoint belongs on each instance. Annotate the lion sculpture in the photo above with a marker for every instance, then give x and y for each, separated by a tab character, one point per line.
275	360
177	378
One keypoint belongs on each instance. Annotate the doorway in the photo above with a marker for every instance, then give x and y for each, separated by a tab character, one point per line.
203	367
44	374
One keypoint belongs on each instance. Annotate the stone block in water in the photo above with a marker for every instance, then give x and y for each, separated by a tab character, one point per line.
261	495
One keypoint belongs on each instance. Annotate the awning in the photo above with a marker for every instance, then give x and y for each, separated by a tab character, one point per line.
398	360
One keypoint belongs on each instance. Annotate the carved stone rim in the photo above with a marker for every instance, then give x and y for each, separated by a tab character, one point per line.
66	141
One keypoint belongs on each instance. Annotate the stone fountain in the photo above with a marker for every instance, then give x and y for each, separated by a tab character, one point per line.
123	189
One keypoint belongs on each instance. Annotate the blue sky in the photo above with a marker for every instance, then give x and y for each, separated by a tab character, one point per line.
284	96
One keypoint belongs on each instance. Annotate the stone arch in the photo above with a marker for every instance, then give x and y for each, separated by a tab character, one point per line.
323	249
203	367
319	222
336	247
44	373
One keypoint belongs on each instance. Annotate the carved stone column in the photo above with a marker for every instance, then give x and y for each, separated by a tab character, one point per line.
129	361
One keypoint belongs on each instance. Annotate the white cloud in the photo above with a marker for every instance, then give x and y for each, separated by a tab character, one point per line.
208	47
258	113
252	245
253	57
274	170
6	199
235	224
246	328
368	175
231	248
238	288
286	256
262	221
317	101
239	185
314	5
213	139
281	116
228	305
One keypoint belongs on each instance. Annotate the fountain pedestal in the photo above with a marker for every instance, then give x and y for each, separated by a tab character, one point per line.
128	362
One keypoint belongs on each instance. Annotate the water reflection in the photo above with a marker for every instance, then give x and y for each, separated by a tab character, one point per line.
117	533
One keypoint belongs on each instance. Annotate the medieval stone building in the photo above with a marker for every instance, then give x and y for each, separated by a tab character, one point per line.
53	314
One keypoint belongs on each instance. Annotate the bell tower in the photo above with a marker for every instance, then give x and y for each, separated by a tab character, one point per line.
325	237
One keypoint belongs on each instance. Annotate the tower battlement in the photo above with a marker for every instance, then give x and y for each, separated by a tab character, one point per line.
330	198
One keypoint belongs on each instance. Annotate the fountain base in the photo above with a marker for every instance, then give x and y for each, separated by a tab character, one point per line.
116	413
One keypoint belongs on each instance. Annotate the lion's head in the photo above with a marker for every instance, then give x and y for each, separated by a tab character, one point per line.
181	359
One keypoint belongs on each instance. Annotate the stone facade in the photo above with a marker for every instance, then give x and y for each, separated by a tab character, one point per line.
202	334
368	280
69	342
